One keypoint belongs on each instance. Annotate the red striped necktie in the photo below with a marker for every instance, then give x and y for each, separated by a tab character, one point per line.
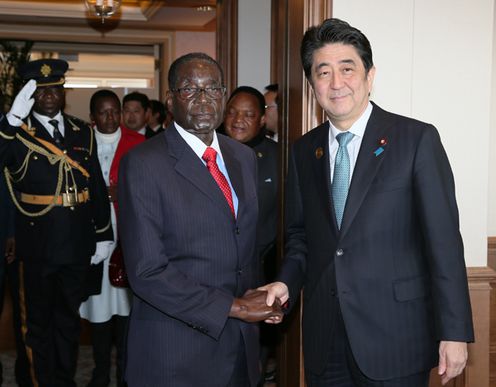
210	157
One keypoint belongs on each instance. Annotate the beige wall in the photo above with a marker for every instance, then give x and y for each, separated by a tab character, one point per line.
186	41
254	43
491	223
434	62
182	43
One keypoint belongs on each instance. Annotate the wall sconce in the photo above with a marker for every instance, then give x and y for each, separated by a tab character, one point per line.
103	8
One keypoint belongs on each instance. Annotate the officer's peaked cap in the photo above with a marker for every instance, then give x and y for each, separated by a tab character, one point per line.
46	72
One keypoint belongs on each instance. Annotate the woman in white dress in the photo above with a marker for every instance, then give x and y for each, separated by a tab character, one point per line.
108	311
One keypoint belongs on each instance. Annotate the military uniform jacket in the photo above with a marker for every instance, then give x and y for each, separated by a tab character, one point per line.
57	234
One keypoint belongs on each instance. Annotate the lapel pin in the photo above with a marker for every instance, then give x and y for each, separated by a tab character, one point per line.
319	152
259	155
382	143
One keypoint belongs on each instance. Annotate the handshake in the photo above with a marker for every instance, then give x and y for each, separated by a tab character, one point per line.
263	304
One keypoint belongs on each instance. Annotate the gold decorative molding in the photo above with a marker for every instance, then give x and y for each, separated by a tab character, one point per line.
73	10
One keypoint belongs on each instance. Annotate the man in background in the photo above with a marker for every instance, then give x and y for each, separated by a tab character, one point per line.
159	117
136	113
52	172
245	122
271	110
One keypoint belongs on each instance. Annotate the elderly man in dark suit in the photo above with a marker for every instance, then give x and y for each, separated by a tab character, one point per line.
372	233
188	203
63	218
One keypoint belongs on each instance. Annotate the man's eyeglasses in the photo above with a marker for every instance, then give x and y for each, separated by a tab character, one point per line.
193	92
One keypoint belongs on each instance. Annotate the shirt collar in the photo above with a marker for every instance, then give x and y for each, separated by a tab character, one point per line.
44	119
358	127
196	144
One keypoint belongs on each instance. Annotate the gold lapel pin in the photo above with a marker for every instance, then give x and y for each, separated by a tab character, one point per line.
319	152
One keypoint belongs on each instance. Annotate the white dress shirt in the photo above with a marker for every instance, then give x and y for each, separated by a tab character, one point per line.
199	148
358	129
48	126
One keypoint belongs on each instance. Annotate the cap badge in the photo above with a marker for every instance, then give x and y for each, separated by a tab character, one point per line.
46	70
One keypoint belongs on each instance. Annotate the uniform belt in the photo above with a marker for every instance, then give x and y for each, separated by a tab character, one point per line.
67	199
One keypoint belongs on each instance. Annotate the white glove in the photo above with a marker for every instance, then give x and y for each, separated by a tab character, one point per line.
102	252
22	105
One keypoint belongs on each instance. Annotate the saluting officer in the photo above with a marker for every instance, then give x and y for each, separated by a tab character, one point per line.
63	217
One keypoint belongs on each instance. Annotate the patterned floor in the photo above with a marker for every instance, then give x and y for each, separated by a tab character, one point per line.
83	375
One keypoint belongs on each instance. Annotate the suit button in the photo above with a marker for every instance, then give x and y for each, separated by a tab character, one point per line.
239	272
237	231
31	223
339	252
333	292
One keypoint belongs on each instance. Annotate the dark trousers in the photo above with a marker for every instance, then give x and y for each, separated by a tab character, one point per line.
342	369
103	336
22	375
52	295
239	377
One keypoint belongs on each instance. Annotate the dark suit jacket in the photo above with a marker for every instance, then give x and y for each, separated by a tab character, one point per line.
62	235
267	155
266	151
149	132
187	258
396	268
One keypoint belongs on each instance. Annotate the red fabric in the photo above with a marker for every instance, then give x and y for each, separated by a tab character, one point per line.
129	139
210	157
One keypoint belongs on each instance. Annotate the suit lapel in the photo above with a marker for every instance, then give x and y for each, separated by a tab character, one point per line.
192	169
321	168
368	164
233	167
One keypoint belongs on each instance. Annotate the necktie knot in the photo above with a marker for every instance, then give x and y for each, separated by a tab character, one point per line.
54	123
344	138
210	155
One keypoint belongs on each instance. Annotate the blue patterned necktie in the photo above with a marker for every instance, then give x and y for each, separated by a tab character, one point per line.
341	178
